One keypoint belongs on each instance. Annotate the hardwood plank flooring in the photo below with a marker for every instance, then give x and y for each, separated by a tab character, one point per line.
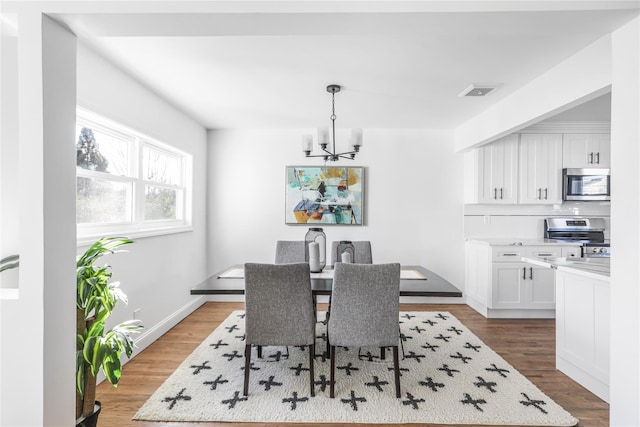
528	345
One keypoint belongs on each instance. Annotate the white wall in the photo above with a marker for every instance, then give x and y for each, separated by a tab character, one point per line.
625	219
580	78
39	320
9	185
158	272
413	197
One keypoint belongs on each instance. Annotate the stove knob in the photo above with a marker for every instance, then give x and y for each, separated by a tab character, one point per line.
594	250
602	250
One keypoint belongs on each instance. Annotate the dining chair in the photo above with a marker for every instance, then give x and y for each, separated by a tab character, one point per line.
278	310
289	251
362	255
365	310
361	249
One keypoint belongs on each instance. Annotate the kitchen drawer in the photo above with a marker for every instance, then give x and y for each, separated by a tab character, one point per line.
544	251
508	253
515	253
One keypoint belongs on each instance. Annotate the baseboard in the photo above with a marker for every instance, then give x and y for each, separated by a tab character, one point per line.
149	336
156	331
480	308
583	378
490	313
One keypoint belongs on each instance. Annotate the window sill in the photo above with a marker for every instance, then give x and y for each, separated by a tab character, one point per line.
138	234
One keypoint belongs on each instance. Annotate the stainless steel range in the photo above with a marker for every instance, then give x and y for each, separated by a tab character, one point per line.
588	231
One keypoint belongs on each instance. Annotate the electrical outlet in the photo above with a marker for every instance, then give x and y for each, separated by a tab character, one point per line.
136	314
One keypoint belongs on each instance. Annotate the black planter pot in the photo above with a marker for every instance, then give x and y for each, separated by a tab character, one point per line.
92	419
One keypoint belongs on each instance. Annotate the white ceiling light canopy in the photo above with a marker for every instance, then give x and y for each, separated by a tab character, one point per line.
479	89
323	136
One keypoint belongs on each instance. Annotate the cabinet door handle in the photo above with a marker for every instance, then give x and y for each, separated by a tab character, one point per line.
495	193
544	254
530	273
524	273
598	158
546	194
591	158
539	193
500	193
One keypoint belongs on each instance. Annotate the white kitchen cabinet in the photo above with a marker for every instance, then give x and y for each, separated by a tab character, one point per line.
499	284
518	285
478	274
498	177
586	150
582	330
540	169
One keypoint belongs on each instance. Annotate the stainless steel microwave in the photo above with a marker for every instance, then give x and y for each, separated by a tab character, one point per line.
586	184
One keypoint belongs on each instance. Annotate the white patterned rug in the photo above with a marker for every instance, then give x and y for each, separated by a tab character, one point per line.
449	376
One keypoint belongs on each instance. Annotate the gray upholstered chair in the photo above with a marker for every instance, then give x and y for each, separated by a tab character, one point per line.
364	311
289	251
362	252
278	310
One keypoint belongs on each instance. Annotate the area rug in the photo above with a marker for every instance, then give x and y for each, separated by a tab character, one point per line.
449	376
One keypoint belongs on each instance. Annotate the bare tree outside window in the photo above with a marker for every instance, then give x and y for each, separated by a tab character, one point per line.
88	154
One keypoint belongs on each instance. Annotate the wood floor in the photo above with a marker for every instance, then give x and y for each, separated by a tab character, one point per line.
528	345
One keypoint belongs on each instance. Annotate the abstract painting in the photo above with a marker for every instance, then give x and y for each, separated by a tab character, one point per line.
324	195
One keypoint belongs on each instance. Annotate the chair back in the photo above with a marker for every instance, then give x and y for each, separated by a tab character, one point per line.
362	252
278	304
365	305
289	251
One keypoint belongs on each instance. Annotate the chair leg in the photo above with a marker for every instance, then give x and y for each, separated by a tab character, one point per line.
312	353
247	364
382	353
327	351
259	352
396	370
332	379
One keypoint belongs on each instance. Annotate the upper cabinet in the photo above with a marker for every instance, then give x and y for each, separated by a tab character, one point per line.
586	150
540	169
527	168
498	174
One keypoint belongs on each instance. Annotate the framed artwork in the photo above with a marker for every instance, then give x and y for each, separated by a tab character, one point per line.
324	195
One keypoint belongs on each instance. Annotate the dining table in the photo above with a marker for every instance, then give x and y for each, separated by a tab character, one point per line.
415	281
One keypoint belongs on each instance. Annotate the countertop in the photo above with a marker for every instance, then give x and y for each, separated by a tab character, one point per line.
595	268
504	241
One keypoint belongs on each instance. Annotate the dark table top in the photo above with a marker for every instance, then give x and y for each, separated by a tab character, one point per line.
433	286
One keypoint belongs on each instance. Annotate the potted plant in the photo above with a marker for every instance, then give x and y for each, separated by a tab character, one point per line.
97	348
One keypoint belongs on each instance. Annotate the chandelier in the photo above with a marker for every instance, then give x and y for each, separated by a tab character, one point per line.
323	136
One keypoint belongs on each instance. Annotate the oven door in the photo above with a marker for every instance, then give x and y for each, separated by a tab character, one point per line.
586	184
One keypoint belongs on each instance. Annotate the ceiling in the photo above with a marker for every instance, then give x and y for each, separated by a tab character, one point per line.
398	69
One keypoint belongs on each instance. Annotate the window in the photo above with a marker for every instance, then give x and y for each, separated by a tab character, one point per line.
127	183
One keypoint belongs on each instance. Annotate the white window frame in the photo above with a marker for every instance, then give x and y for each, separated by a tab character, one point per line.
138	227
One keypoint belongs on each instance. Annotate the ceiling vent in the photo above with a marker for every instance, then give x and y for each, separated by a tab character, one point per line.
477	89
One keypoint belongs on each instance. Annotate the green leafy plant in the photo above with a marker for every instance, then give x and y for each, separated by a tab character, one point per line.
97	348
7	263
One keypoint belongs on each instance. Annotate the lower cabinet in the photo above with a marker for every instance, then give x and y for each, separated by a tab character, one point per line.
519	285
499	284
582	330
